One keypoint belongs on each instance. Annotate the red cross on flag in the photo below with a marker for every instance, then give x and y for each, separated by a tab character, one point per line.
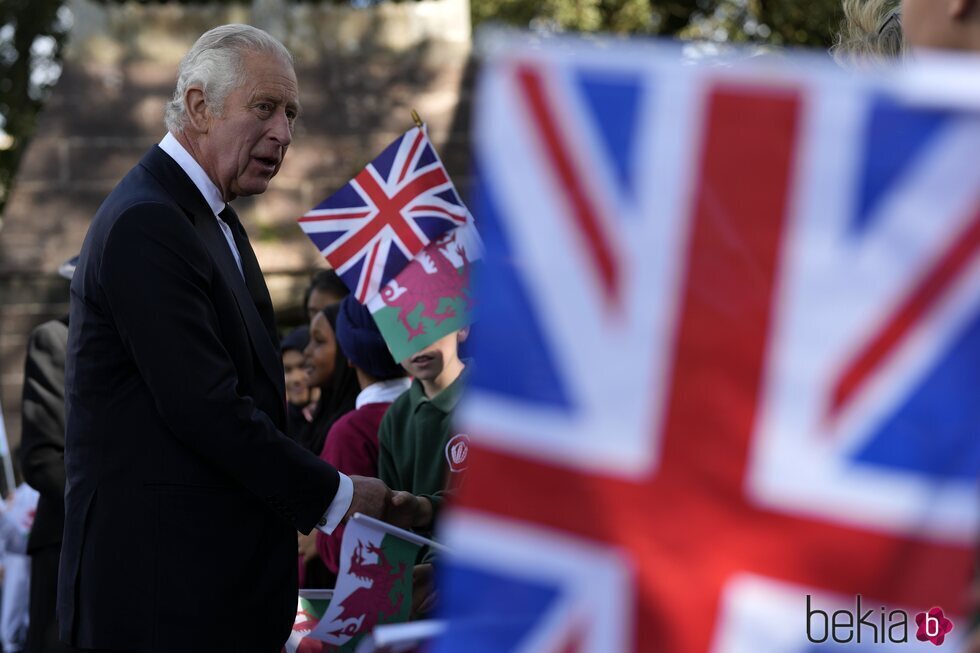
729	357
371	228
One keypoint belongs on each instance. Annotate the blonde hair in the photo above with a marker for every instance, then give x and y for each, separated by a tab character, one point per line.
871	33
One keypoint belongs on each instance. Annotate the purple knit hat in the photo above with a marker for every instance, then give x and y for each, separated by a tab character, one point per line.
361	341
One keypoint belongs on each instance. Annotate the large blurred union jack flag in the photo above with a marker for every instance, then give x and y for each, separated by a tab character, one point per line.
729	352
376	223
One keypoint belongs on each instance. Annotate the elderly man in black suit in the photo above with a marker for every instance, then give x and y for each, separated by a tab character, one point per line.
183	495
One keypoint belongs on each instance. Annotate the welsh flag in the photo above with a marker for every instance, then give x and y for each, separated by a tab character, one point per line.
310	607
432	296
374	585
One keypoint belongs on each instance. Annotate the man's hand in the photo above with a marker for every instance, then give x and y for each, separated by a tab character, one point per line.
409	511
371	497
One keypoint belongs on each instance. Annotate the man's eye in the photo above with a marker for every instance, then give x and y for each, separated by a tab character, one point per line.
264	106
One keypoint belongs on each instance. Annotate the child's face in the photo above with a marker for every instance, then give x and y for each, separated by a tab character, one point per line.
321	353
297	387
429	363
319	300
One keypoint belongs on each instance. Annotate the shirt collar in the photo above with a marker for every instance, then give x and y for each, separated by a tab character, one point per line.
382	392
447	399
193	169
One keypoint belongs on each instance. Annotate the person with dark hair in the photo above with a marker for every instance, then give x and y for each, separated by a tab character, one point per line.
299	396
352	444
42	461
327	371
174	387
325	289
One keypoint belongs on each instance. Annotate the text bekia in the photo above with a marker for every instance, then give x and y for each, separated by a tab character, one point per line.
843	626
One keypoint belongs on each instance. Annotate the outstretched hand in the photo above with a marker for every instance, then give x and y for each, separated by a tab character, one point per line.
371	497
403	509
409	511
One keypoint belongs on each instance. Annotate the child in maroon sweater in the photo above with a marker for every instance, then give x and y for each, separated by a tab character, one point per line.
352	443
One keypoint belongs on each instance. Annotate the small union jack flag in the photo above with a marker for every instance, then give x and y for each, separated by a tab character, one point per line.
372	227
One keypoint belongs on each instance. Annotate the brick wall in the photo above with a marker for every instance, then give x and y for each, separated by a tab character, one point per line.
360	73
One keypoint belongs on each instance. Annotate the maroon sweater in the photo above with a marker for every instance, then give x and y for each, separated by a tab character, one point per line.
351	447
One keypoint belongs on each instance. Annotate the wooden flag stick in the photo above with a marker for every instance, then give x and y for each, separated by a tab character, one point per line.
415	117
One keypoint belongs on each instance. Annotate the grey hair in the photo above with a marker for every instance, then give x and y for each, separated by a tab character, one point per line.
870	34
215	64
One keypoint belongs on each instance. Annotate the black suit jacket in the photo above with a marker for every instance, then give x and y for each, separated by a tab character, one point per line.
42	444
183	496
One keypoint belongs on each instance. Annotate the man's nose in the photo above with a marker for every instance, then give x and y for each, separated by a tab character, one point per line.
281	130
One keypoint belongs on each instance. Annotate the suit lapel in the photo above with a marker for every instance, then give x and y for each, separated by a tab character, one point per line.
254	303
207	227
254	280
257	296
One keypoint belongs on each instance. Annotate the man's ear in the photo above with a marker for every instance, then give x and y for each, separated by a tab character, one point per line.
197	110
462	334
959	9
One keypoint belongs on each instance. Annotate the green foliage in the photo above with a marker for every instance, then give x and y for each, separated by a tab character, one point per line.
176	2
32	33
620	16
772	22
801	23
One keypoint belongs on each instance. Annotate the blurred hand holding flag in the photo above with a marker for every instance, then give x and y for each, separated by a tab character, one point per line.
374	586
402	638
729	352
310	607
375	225
17	518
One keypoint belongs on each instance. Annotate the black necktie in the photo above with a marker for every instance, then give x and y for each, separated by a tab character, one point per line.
230	218
250	268
254	283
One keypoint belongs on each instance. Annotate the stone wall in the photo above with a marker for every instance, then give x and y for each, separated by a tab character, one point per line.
360	73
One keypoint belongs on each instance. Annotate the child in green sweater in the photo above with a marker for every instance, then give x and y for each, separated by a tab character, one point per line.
419	453
420	456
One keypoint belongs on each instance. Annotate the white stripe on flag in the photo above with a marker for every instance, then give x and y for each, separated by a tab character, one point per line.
398	532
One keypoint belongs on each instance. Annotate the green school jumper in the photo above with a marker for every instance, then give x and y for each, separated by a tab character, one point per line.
419	451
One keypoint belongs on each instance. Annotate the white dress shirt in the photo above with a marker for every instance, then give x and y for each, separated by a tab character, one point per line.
382	392
345	492
208	189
